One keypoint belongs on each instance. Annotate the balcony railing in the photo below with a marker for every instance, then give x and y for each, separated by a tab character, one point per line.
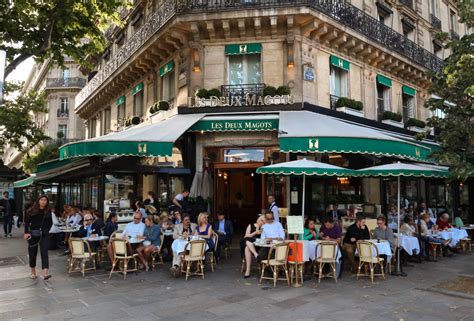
242	91
63	113
408	3
435	22
333	101
453	34
339	10
65	82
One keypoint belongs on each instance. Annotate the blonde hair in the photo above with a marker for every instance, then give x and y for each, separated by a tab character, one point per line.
201	217
424	216
163	215
261	219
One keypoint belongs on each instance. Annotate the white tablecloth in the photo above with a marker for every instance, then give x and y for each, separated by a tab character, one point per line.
179	245
384	248
409	243
315	250
452	234
96	239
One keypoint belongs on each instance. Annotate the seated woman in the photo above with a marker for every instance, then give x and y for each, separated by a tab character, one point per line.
247	248
310	232
151	243
204	230
408	228
167	228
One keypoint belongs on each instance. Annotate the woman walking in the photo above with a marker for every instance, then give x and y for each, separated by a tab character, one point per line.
38	222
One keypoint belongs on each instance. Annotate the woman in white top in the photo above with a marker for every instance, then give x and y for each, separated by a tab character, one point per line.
408	228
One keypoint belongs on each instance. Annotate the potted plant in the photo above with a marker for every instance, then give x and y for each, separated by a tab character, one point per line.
60	135
416	125
163	105
240	198
135	120
269	91
391	118
350	106
283	91
214	92
153	109
204	96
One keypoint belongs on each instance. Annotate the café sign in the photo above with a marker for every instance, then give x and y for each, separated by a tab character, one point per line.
236	101
235	125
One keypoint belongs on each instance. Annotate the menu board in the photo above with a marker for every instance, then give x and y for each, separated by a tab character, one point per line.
295	224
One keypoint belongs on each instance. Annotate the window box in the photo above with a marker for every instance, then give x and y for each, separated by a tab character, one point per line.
393	123
416	129
351	111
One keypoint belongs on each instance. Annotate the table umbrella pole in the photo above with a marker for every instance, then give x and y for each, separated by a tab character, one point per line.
304	196
398	271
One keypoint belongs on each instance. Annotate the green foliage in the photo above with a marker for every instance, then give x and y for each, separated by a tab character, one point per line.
283	90
154	108
388	115
51	29
416	123
203	93
351	103
163	105
269	91
214	92
19	129
455	87
135	120
42	154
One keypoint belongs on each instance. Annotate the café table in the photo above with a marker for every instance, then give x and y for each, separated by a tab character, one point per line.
383	247
453	234
315	250
409	243
181	245
68	231
96	238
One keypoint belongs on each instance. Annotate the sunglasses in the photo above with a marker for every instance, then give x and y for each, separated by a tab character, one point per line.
136	218
88	220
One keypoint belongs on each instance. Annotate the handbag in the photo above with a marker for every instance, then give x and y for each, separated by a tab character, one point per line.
38	232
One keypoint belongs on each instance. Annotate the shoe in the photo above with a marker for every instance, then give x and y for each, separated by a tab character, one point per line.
47	277
10	236
5	235
247	276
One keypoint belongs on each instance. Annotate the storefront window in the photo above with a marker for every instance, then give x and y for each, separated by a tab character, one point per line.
176	186
243	155
119	187
277	186
408	192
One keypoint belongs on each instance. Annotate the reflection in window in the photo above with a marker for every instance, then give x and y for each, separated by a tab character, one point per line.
243	155
119	187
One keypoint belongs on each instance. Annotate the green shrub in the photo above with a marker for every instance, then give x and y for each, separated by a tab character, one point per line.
350	103
269	91
214	92
416	123
388	115
163	105
203	93
135	120
128	122
153	108
283	90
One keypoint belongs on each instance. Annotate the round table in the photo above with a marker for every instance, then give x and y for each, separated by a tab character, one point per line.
96	239
452	234
383	247
264	244
180	245
315	250
409	243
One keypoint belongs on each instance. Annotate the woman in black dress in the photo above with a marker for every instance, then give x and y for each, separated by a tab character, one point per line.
38	222
246	245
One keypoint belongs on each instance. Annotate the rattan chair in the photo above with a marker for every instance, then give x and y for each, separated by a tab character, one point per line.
123	255
80	254
369	258
328	255
195	256
277	260
156	257
212	252
465	244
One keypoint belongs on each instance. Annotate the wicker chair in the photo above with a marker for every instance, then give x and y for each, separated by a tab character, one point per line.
156	257
369	258
277	260
328	255
465	244
196	255
122	255
212	255
80	253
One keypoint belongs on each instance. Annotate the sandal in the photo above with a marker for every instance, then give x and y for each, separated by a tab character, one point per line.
33	276
46	277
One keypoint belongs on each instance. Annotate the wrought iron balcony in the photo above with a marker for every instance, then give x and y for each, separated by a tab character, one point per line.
453	34
338	10
65	82
435	22
63	113
333	101
408	3
242	91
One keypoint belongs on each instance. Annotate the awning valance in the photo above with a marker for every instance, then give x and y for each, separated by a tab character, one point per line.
243	49
408	91
120	100
143	140
387	82
54	168
304	131
137	88
236	123
166	68
340	63
25	182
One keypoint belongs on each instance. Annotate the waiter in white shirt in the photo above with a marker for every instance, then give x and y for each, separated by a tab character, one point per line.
271	231
135	228
272	207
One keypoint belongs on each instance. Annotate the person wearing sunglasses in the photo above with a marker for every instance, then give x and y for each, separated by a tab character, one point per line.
136	227
90	229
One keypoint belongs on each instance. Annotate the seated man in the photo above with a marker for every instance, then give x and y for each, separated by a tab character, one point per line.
224	230
89	229
152	242
182	231
355	232
135	228
330	231
271	231
383	232
443	221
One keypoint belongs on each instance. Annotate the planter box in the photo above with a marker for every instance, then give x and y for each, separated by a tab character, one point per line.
393	123
416	129
350	111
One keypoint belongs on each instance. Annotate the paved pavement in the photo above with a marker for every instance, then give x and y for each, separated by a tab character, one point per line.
224	294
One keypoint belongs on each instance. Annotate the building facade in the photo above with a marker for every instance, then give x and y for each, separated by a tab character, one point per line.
236	59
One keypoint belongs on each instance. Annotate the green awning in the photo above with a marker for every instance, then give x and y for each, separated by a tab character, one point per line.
304	167
53	164
137	88
166	68
403	170
243	49
408	91
340	63
120	100
387	82
331	135
148	140
212	124
25	182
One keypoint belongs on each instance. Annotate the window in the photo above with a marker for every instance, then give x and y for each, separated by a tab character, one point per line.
244	69
168	86
92	127
65	73
107	120
383	98
434	7
244	155
452	21
437	48
408	27
63	106
138	104
408	107
62	131
121	112
339	82
383	13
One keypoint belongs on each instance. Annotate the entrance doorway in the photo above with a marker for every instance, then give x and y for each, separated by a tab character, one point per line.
238	191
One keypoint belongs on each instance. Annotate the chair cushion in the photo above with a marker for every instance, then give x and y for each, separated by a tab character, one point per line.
84	256
272	262
189	258
371	260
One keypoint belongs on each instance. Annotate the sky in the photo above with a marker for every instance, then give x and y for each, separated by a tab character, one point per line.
22	71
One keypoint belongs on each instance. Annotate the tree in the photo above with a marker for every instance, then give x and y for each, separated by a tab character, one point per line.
50	29
17	125
44	153
453	108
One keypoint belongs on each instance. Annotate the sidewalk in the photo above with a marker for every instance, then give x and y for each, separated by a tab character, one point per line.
224	294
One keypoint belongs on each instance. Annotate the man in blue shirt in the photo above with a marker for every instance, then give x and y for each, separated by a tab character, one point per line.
224	230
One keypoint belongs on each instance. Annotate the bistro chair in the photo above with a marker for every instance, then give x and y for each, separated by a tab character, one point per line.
371	224
369	258
156	257
328	255
81	254
277	260
122	255
196	255
212	252
465	244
